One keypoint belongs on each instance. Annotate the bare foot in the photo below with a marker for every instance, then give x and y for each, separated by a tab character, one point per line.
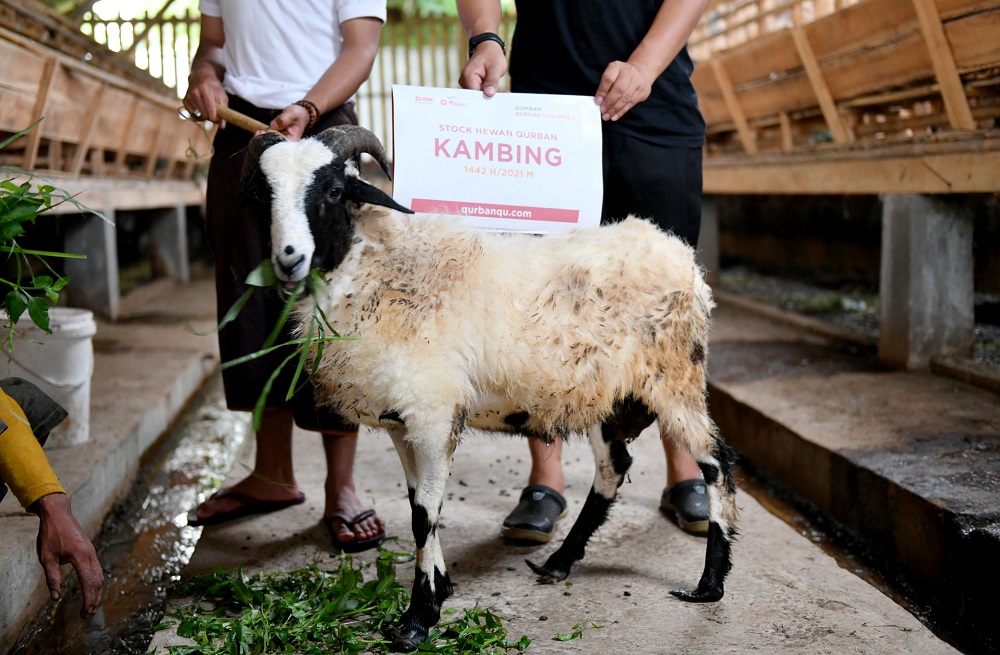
252	486
347	504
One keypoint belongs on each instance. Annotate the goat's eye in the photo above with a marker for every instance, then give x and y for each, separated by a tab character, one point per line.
335	193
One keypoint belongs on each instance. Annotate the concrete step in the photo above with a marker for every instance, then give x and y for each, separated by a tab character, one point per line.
907	464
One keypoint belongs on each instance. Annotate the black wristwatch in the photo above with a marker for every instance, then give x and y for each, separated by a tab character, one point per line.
485	36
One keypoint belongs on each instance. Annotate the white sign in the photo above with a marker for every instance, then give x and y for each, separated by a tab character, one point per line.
515	162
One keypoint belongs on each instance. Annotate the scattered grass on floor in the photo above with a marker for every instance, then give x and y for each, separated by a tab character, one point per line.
313	611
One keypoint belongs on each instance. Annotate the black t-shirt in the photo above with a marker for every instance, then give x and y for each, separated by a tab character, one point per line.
563	46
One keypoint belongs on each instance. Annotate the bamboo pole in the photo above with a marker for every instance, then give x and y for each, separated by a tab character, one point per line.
241	120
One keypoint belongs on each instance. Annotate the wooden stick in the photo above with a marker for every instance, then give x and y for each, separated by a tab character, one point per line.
241	120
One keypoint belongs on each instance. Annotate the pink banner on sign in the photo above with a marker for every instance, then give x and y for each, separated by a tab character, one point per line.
484	210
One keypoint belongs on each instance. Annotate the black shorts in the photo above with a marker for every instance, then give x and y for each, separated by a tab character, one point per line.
657	182
240	240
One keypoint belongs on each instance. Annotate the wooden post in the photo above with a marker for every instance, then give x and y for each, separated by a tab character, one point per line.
956	103
822	91
41	99
785	122
126	140
87	133
420	55
154	152
384	50
729	95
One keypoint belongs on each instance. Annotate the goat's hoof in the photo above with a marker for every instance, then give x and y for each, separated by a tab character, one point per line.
699	595
547	575
405	639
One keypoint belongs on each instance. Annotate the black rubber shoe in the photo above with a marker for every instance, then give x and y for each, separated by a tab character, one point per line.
688	502
534	519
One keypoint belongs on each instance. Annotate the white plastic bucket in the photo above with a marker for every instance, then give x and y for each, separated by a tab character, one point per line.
61	364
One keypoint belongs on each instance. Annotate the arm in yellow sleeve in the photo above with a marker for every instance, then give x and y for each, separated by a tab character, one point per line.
23	465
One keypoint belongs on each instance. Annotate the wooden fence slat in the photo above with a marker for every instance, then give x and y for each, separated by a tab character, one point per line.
141	36
386	116
826	103
41	99
785	122
154	152
87	132
122	153
729	95
955	101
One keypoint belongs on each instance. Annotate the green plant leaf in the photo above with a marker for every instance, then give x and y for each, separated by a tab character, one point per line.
186	629
263	275
38	310
41	253
14	137
15	302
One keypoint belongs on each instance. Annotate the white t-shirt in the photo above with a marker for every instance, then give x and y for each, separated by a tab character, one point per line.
276	50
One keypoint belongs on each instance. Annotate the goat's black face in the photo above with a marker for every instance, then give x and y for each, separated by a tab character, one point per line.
308	184
329	223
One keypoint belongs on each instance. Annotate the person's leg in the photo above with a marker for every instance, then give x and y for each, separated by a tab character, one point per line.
273	478
341	496
680	465
664	185
546	464
541	504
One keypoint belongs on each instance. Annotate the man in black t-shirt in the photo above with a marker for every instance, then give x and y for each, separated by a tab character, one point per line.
630	55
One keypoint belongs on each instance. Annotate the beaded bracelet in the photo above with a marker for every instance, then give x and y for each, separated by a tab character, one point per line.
312	109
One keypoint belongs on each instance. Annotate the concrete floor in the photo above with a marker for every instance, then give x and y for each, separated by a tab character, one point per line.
784	594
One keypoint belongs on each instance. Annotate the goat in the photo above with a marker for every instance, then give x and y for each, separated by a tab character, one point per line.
597	331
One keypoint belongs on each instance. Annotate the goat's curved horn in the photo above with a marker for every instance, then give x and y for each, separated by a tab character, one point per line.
349	141
262	142
249	183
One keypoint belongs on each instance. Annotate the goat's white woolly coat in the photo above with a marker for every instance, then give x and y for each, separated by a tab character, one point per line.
557	326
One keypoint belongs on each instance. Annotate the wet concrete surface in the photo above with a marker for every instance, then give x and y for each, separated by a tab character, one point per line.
146	542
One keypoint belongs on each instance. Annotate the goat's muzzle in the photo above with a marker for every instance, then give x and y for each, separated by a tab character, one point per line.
290	267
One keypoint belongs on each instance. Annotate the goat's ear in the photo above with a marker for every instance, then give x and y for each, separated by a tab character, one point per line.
355	189
253	186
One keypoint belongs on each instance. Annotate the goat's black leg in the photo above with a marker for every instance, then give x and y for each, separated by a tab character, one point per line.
427	467
612	461
718	474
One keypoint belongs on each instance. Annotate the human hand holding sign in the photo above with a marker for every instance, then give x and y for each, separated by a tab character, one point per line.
623	86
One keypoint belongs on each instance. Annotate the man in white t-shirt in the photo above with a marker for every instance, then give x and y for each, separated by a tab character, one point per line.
295	65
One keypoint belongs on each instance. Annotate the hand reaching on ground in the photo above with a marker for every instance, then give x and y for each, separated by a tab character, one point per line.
61	540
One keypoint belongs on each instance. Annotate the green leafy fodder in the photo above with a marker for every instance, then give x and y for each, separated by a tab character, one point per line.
577	632
296	351
313	611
